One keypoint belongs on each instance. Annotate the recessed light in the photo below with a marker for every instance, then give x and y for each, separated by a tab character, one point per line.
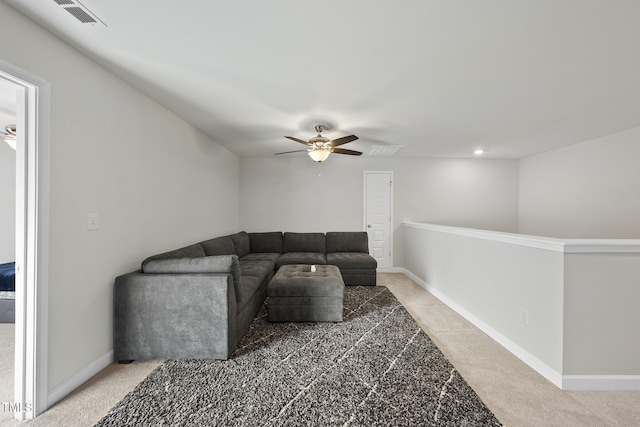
478	152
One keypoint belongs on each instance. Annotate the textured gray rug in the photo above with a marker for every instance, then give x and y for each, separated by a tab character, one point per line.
377	368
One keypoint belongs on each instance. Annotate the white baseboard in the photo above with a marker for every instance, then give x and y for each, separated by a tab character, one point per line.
536	364
601	382
61	390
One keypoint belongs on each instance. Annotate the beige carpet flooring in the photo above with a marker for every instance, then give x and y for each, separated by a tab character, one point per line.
7	346
516	394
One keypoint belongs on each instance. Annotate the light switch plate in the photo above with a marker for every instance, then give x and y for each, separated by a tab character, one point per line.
93	221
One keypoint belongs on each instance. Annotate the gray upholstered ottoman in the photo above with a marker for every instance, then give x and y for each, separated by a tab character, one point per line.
298	294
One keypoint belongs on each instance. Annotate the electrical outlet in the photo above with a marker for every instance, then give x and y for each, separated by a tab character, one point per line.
93	222
524	316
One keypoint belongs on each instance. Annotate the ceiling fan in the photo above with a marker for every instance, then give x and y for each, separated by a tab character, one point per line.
9	135
320	147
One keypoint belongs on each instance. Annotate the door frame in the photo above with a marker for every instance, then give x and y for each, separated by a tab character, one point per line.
364	214
32	241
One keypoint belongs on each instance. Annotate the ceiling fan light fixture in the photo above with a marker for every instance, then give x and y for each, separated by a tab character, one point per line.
9	136
319	147
319	155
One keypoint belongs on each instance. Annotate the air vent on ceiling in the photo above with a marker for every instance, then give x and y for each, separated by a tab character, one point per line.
79	11
384	150
80	14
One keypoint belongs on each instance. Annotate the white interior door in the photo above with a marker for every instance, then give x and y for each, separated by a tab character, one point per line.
378	215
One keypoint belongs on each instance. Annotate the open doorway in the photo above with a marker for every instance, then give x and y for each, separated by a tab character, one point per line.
8	111
31	241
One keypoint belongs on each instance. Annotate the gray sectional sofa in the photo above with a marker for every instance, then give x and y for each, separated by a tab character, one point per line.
197	302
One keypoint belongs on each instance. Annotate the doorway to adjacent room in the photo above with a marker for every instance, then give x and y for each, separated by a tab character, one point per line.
31	241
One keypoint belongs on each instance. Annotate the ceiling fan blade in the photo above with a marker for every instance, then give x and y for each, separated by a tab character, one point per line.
345	151
343	140
294	151
298	140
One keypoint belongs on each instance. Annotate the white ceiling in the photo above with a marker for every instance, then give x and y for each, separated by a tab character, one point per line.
440	77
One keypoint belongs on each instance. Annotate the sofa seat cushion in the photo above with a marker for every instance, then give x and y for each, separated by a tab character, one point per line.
308	258
259	269
351	260
266	256
248	287
219	246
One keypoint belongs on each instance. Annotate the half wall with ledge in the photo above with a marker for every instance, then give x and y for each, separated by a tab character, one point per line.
569	308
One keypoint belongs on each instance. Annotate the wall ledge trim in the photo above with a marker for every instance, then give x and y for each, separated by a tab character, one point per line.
567	246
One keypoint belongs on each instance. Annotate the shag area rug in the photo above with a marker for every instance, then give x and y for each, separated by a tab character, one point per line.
377	368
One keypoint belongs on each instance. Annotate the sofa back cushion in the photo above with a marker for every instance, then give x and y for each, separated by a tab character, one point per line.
270	242
218	246
202	265
347	241
304	242
241	243
191	251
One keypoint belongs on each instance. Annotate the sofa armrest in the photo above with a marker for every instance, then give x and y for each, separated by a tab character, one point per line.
174	316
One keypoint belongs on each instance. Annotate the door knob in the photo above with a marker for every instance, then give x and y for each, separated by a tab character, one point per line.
368	225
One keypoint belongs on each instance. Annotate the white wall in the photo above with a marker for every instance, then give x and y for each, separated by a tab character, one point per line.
156	182
601	314
8	108
586	190
7	203
287	193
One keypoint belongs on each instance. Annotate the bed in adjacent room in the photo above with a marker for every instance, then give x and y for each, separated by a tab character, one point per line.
8	292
